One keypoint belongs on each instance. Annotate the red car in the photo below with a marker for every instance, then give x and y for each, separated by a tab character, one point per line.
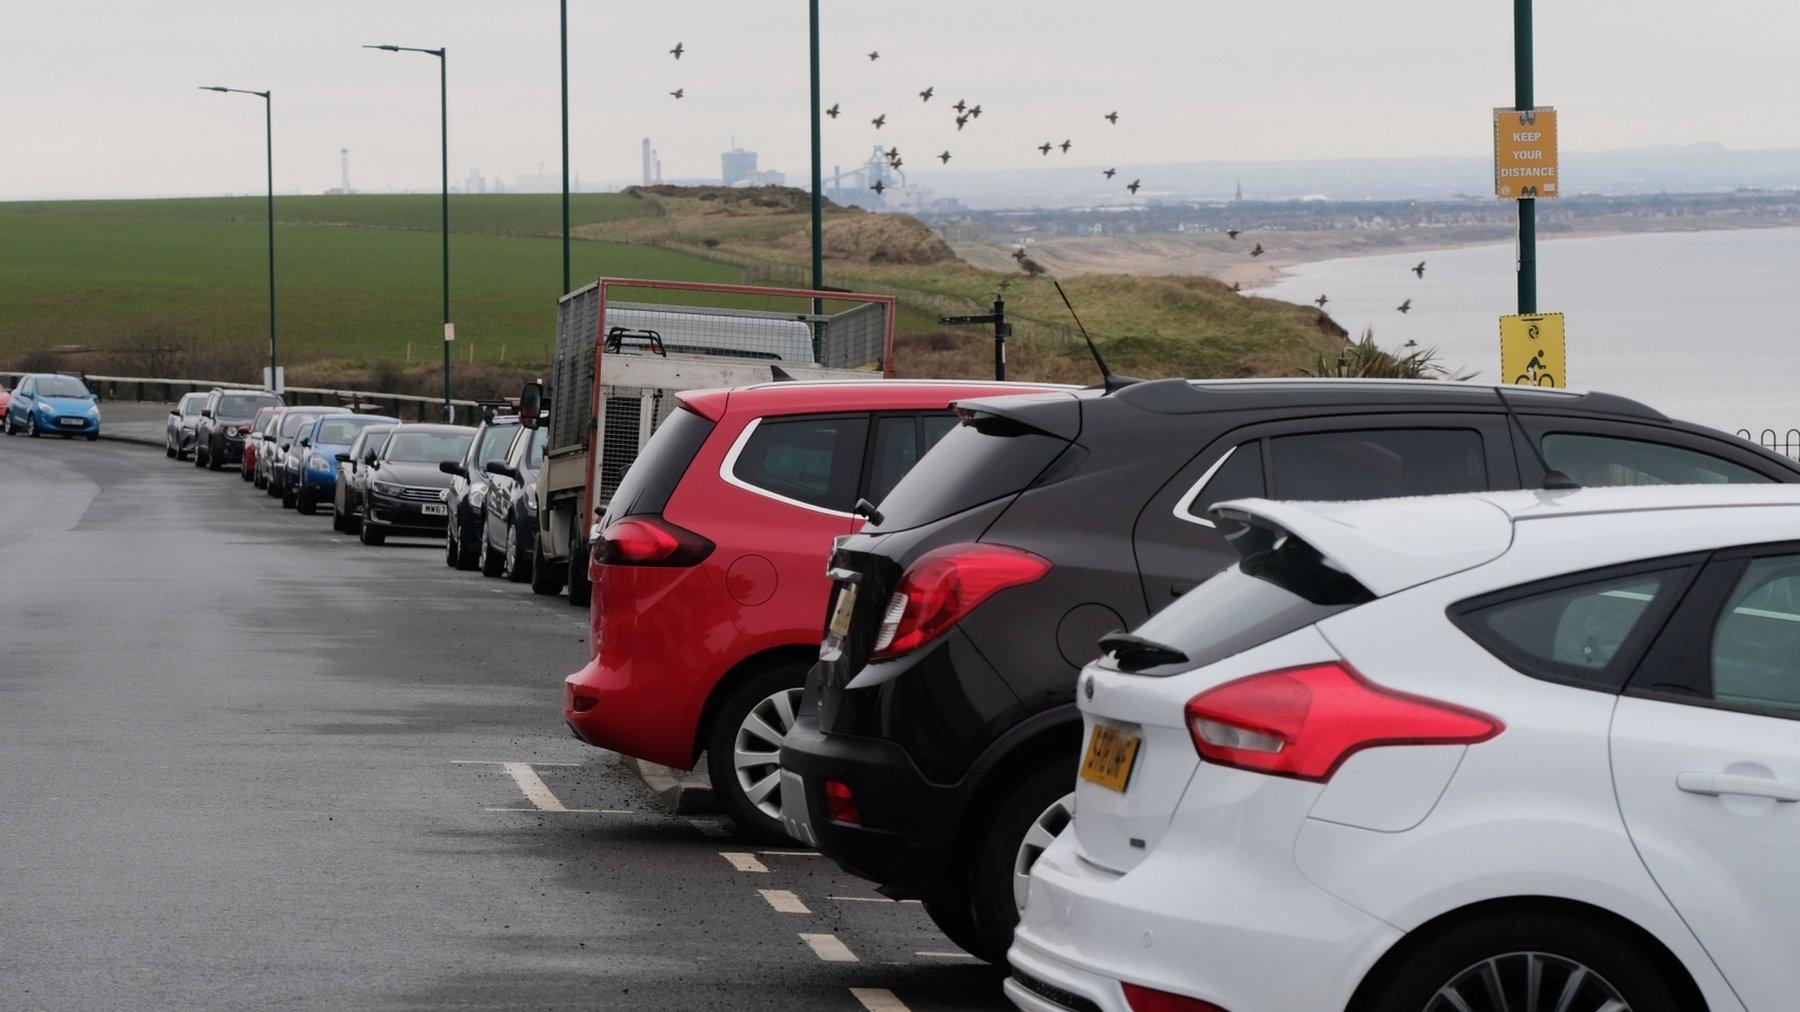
709	569
259	424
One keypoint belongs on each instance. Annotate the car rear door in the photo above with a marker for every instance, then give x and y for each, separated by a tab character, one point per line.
1706	763
1336	457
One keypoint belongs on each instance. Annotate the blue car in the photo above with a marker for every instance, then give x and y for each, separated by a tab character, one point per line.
50	402
314	479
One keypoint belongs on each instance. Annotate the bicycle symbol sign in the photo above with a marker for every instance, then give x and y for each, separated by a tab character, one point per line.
1532	351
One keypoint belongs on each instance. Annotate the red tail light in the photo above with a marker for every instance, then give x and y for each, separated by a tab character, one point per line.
1144	999
947	583
650	541
841	803
1304	722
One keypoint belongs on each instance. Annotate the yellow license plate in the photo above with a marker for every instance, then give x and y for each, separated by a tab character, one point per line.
840	615
1110	753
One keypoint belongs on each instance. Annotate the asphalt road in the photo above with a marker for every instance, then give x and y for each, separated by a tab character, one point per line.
245	761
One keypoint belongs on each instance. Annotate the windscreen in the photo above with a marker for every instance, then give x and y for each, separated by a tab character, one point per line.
970	466
291	424
534	451
495	439
191	404
340	431
243	405
61	386
1271	593
426	447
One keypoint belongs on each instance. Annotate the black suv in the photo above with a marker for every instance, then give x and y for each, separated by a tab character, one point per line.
224	424
938	734
469	481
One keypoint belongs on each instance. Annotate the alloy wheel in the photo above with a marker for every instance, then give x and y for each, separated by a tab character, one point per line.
756	750
1528	982
1043	832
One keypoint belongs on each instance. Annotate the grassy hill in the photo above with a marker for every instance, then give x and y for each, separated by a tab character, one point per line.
154	286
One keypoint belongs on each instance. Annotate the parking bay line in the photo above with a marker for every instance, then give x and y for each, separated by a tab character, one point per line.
878	999
827	947
530	784
783	901
869	899
744	862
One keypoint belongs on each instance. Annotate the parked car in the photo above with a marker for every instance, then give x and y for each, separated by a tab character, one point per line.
5	399
279	446
469	488
1512	750
351	490
314	471
941	733
709	570
54	403
224	425
266	418
178	428
509	512
407	494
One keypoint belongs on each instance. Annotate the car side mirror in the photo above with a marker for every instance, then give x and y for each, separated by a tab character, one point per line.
452	467
305	441
502	468
369	459
205	412
343	458
531	404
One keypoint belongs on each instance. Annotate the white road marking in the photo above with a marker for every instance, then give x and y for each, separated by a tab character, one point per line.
878	999
530	784
944	955
744	862
784	901
828	948
566	811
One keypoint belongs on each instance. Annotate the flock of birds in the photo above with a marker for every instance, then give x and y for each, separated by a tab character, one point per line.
966	113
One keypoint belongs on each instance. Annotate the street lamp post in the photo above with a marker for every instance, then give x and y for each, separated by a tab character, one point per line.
1523	100
818	227
269	154
565	144
444	130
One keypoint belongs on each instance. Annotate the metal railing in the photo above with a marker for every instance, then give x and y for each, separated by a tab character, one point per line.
1785	443
164	390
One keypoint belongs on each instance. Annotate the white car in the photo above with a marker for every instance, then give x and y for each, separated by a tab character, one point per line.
1505	751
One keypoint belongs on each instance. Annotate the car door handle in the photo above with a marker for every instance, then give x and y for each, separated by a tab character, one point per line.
1716	784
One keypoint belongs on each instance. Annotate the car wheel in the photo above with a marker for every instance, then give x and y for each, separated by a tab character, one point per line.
1526	959
744	749
371	535
199	461
168	449
31	428
337	519
952	916
580	587
289	498
1025	822
245	473
93	437
352	524
492	562
212	460
450	546
303	502
546	579
516	568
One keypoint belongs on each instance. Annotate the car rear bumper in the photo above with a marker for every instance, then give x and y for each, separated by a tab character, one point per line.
609	708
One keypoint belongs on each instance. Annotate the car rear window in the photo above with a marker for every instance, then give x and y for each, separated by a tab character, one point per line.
291	423
243	405
340	431
972	465
811	459
1270	593
658	468
1594	461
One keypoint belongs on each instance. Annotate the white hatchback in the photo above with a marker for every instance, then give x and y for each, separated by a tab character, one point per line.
1507	751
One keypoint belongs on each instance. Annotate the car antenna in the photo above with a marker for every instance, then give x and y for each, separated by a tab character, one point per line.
1554	480
1108	380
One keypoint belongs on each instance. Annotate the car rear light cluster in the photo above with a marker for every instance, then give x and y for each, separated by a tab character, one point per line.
946	584
1304	722
649	541
1144	999
841	803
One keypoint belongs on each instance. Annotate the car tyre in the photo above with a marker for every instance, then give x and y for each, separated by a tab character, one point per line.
337	519
743	748
1002	849
546	579
464	556
199	461
580	587
289	498
31	428
953	917
1458	963
517	565
304	504
169	449
492	562
371	535
245	473
212	461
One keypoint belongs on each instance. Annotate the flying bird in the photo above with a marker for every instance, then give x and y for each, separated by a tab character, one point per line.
1320	301
878	187
896	163
679	92
1066	145
880	121
1045	147
925	95
960	106
874	54
1419	268
1258	251
975	112
891	154
1113	118
1019	254
962	121
1404	306
1237	286
945	158
678	50
833	111
1135	183
1109	173
1233	233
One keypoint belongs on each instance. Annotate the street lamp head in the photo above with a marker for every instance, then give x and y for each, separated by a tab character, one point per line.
390	49
213	87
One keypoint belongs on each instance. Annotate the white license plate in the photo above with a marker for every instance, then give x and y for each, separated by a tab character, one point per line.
839	626
435	509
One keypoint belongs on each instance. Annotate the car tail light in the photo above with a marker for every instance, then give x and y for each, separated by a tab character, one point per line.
650	541
1144	999
944	585
841	803
1304	722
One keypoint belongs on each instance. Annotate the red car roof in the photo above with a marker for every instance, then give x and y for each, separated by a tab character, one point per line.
797	397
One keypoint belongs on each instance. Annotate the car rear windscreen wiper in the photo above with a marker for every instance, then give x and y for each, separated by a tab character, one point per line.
1135	653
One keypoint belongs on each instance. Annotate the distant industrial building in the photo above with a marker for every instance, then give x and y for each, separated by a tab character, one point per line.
737	165
344	170
476	183
652	165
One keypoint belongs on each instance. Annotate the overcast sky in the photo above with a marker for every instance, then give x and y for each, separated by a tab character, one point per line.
98	98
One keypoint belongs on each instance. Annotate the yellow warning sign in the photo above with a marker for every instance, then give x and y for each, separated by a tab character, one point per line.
1532	352
1525	153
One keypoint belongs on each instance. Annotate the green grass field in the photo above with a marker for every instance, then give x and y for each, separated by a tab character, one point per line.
358	278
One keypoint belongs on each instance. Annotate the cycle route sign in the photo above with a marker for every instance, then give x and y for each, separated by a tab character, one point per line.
1532	352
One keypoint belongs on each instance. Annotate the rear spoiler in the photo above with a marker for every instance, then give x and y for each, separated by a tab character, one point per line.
1387	545
1054	413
